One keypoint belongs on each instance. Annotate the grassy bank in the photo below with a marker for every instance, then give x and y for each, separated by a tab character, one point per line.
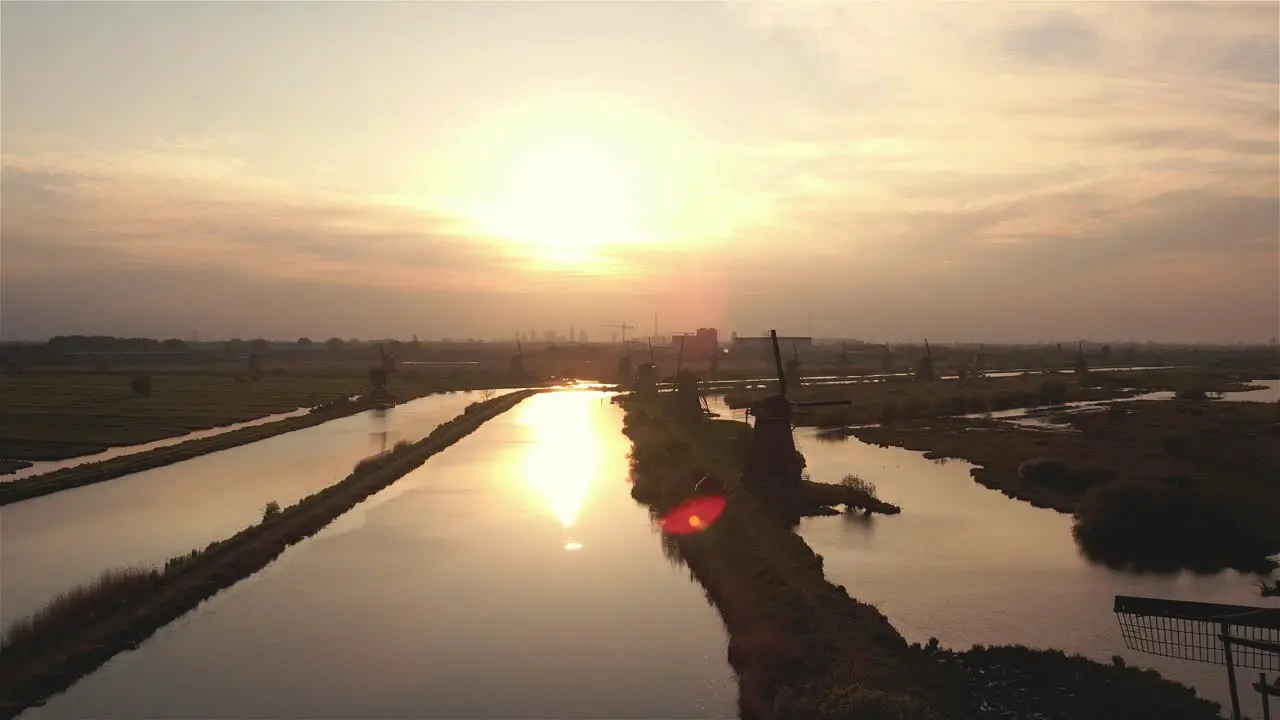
1157	485
901	399
86	627
803	648
60	415
95	472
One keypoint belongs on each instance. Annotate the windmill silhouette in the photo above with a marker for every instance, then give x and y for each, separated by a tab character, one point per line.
773	464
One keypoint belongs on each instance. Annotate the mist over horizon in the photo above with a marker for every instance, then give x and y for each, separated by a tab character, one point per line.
999	173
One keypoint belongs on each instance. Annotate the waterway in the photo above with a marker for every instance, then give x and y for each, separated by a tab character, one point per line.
510	576
44	466
968	565
53	542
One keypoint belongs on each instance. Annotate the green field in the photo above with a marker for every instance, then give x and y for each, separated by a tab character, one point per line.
52	416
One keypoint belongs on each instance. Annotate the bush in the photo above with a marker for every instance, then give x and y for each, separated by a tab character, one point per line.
1044	471
271	510
857	483
1164	526
1053	391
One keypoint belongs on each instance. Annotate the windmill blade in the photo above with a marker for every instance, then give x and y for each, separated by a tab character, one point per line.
777	360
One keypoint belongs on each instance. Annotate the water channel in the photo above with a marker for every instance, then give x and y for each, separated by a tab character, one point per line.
56	541
968	565
510	576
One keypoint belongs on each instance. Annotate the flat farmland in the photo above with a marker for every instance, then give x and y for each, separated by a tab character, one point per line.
52	416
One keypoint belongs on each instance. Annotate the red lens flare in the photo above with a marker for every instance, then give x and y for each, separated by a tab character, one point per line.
693	515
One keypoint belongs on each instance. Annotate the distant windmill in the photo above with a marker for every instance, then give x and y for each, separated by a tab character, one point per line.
624	362
517	360
924	368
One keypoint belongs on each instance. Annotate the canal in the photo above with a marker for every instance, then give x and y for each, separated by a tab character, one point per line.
510	576
56	541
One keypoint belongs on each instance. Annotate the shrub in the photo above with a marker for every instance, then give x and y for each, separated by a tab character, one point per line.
1164	526
1044	471
1053	391
271	510
857	483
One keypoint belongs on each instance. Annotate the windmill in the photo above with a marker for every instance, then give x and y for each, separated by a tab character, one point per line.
924	369
773	464
1082	367
647	374
624	363
517	360
792	367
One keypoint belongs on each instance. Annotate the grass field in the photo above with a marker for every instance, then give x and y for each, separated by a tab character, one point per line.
52	416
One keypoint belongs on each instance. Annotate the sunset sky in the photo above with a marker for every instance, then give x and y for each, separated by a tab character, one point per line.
990	171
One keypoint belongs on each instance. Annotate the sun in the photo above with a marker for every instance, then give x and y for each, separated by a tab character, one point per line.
567	202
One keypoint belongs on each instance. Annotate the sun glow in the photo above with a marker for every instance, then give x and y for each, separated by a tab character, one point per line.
566	458
567	203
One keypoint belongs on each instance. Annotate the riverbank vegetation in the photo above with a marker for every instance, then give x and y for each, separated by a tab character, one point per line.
109	469
901	399
85	627
1156	485
803	648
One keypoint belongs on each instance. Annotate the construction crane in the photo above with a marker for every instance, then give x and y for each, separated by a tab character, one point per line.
624	327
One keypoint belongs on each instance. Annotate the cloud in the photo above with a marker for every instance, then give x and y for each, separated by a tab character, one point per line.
182	208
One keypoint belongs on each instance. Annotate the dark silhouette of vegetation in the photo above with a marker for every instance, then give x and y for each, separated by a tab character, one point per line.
802	648
141	385
1200	471
270	510
1167	525
334	343
87	627
1053	391
305	342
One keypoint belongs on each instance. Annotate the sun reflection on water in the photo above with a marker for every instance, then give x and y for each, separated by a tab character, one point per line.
566	456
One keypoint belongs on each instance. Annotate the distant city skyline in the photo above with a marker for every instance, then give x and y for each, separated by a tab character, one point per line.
998	172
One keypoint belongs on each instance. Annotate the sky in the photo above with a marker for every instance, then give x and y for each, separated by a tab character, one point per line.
978	171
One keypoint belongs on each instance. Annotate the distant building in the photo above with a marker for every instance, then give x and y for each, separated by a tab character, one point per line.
760	345
702	344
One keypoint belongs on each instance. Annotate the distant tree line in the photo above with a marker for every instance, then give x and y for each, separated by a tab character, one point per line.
109	343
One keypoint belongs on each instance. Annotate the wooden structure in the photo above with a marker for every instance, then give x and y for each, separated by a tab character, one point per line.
773	464
1237	636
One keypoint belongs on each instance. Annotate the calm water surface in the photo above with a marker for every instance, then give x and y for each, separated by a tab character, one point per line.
510	576
967	565
54	542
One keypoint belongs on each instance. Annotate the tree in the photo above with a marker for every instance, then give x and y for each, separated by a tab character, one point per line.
173	345
259	345
333	343
305	342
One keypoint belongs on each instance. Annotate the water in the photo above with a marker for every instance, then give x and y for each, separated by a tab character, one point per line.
510	576
44	466
56	541
967	565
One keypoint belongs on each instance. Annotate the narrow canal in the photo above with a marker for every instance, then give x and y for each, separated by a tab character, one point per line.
510	576
54	542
